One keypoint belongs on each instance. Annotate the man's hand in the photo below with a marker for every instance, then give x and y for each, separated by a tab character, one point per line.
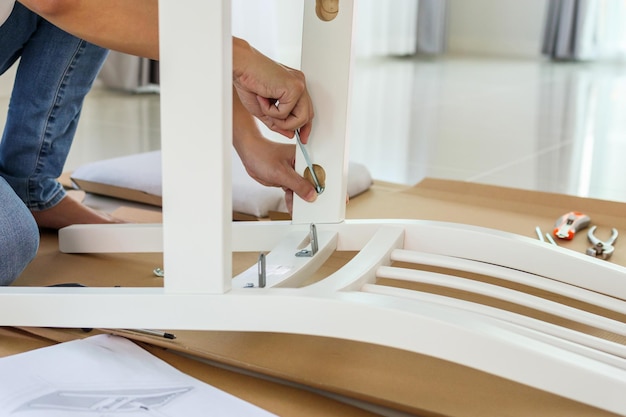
269	163
273	93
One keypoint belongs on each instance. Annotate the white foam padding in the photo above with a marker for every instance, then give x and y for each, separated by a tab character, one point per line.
142	172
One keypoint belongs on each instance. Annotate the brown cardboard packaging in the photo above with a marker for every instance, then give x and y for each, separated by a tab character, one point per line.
382	376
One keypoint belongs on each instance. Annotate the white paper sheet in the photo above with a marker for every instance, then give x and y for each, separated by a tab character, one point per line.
107	375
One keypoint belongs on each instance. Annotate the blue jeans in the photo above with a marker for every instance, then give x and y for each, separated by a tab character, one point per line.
56	71
19	235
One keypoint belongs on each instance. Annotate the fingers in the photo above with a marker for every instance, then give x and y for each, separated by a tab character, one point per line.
292	181
284	116
305	131
288	97
270	91
272	164
304	189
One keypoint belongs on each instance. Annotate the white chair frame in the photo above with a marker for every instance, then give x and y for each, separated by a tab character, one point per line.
198	239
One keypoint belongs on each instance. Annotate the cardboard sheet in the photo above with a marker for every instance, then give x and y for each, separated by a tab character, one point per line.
383	376
508	209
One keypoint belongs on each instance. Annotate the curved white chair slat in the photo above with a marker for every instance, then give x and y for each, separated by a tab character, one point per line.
592	342
512	275
284	268
545	357
504	294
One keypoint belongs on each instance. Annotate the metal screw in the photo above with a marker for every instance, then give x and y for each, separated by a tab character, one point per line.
262	273
305	253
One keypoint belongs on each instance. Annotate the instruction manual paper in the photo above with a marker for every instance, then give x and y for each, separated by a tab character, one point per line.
107	375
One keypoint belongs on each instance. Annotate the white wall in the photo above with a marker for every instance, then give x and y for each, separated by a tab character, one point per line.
274	27
496	27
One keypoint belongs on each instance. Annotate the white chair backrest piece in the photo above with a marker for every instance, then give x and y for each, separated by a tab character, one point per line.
356	302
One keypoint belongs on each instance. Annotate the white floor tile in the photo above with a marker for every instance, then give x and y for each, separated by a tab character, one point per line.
527	124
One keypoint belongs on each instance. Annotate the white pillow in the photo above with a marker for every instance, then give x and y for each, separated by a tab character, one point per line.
141	173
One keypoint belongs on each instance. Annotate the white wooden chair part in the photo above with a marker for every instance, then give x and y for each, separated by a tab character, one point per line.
197	240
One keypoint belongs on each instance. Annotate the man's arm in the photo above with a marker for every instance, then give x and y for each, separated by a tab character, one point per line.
130	26
277	95
269	163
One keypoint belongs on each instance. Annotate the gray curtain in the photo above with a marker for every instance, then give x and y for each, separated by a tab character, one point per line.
432	23
563	29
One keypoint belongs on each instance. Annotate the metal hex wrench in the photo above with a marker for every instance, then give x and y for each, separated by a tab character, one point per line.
318	187
307	159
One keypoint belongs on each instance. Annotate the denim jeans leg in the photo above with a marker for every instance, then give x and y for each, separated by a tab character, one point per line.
19	236
15	32
56	71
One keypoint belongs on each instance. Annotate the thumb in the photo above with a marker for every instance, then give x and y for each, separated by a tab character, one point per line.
303	189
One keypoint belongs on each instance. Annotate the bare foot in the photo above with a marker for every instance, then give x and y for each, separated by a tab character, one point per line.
70	211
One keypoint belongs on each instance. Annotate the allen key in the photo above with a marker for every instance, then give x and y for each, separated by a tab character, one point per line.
318	186
541	238
313	236
550	239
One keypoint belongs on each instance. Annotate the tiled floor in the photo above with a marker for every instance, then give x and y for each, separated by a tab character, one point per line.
528	124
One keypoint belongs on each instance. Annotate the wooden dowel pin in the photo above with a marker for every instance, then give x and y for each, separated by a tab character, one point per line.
327	10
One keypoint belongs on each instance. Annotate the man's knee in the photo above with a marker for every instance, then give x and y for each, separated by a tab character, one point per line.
19	249
19	235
